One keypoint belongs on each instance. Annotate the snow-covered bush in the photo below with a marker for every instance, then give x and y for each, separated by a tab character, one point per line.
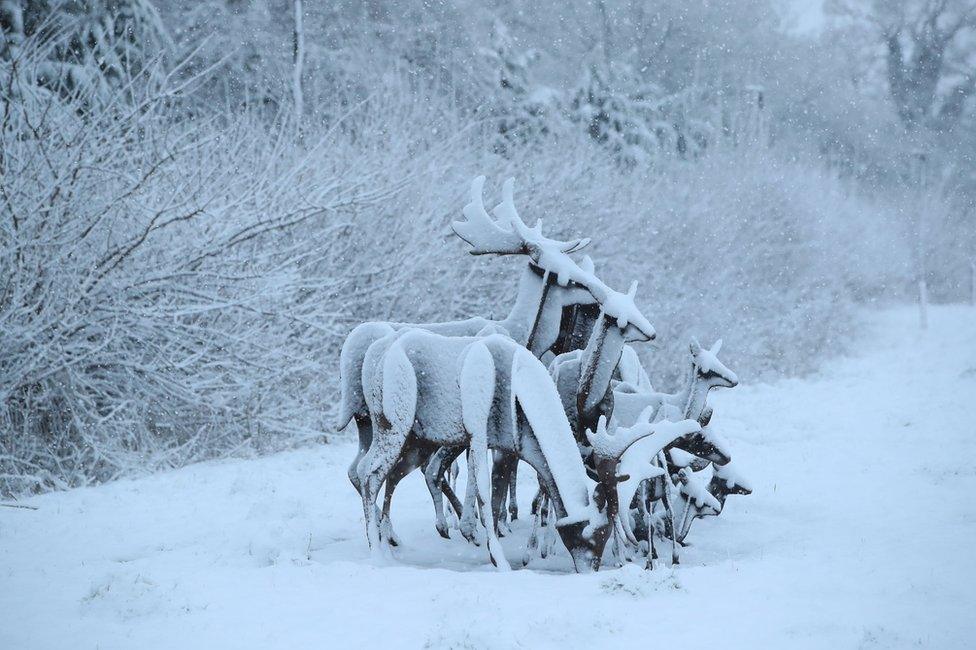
179	274
175	287
83	48
766	252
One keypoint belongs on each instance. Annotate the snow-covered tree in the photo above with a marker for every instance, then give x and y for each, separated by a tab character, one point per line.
929	49
621	112
524	109
92	47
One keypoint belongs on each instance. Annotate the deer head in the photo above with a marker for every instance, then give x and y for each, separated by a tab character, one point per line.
619	322
551	271
708	369
586	540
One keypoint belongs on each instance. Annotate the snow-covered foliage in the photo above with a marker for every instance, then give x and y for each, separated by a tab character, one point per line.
118	117
167	281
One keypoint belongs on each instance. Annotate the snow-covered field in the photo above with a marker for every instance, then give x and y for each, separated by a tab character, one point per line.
860	534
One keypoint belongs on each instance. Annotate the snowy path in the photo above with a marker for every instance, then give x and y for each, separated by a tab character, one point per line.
860	535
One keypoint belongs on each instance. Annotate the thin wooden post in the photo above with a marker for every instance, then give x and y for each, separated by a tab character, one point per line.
972	283
923	302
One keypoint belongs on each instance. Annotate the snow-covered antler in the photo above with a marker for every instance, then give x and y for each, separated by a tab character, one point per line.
506	234
484	234
614	445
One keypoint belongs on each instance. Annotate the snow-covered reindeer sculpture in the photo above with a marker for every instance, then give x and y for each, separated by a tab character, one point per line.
545	295
618	322
425	389
683	458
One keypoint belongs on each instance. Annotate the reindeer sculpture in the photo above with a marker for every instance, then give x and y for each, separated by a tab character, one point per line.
618	321
704	497
424	389
545	294
587	394
705	374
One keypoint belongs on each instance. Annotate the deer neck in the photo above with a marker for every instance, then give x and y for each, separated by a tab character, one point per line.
694	395
529	301
600	358
556	459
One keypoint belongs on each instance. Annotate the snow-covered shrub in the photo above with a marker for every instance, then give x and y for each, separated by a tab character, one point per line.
747	245
620	111
176	287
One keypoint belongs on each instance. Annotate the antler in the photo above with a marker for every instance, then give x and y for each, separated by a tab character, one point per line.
614	445
484	234
507	234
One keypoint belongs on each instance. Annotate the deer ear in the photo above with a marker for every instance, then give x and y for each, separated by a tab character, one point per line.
718	346
575	245
695	346
623	478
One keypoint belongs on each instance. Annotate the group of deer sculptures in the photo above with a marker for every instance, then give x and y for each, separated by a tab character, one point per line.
556	385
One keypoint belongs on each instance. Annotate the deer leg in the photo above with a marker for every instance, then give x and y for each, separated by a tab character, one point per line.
501	477
479	473
548	529
364	427
512	500
469	518
412	456
449	487
533	543
374	467
452	498
669	509
538	538
438	487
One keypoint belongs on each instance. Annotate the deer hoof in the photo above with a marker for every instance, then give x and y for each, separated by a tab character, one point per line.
387	534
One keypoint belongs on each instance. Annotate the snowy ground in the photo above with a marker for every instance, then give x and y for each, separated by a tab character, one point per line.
860	535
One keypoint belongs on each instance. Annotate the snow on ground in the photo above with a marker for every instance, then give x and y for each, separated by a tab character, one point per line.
860	535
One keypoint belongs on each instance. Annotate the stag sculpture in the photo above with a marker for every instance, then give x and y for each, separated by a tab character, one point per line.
705	497
545	294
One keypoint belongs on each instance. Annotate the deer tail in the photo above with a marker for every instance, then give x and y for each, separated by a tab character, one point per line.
399	389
